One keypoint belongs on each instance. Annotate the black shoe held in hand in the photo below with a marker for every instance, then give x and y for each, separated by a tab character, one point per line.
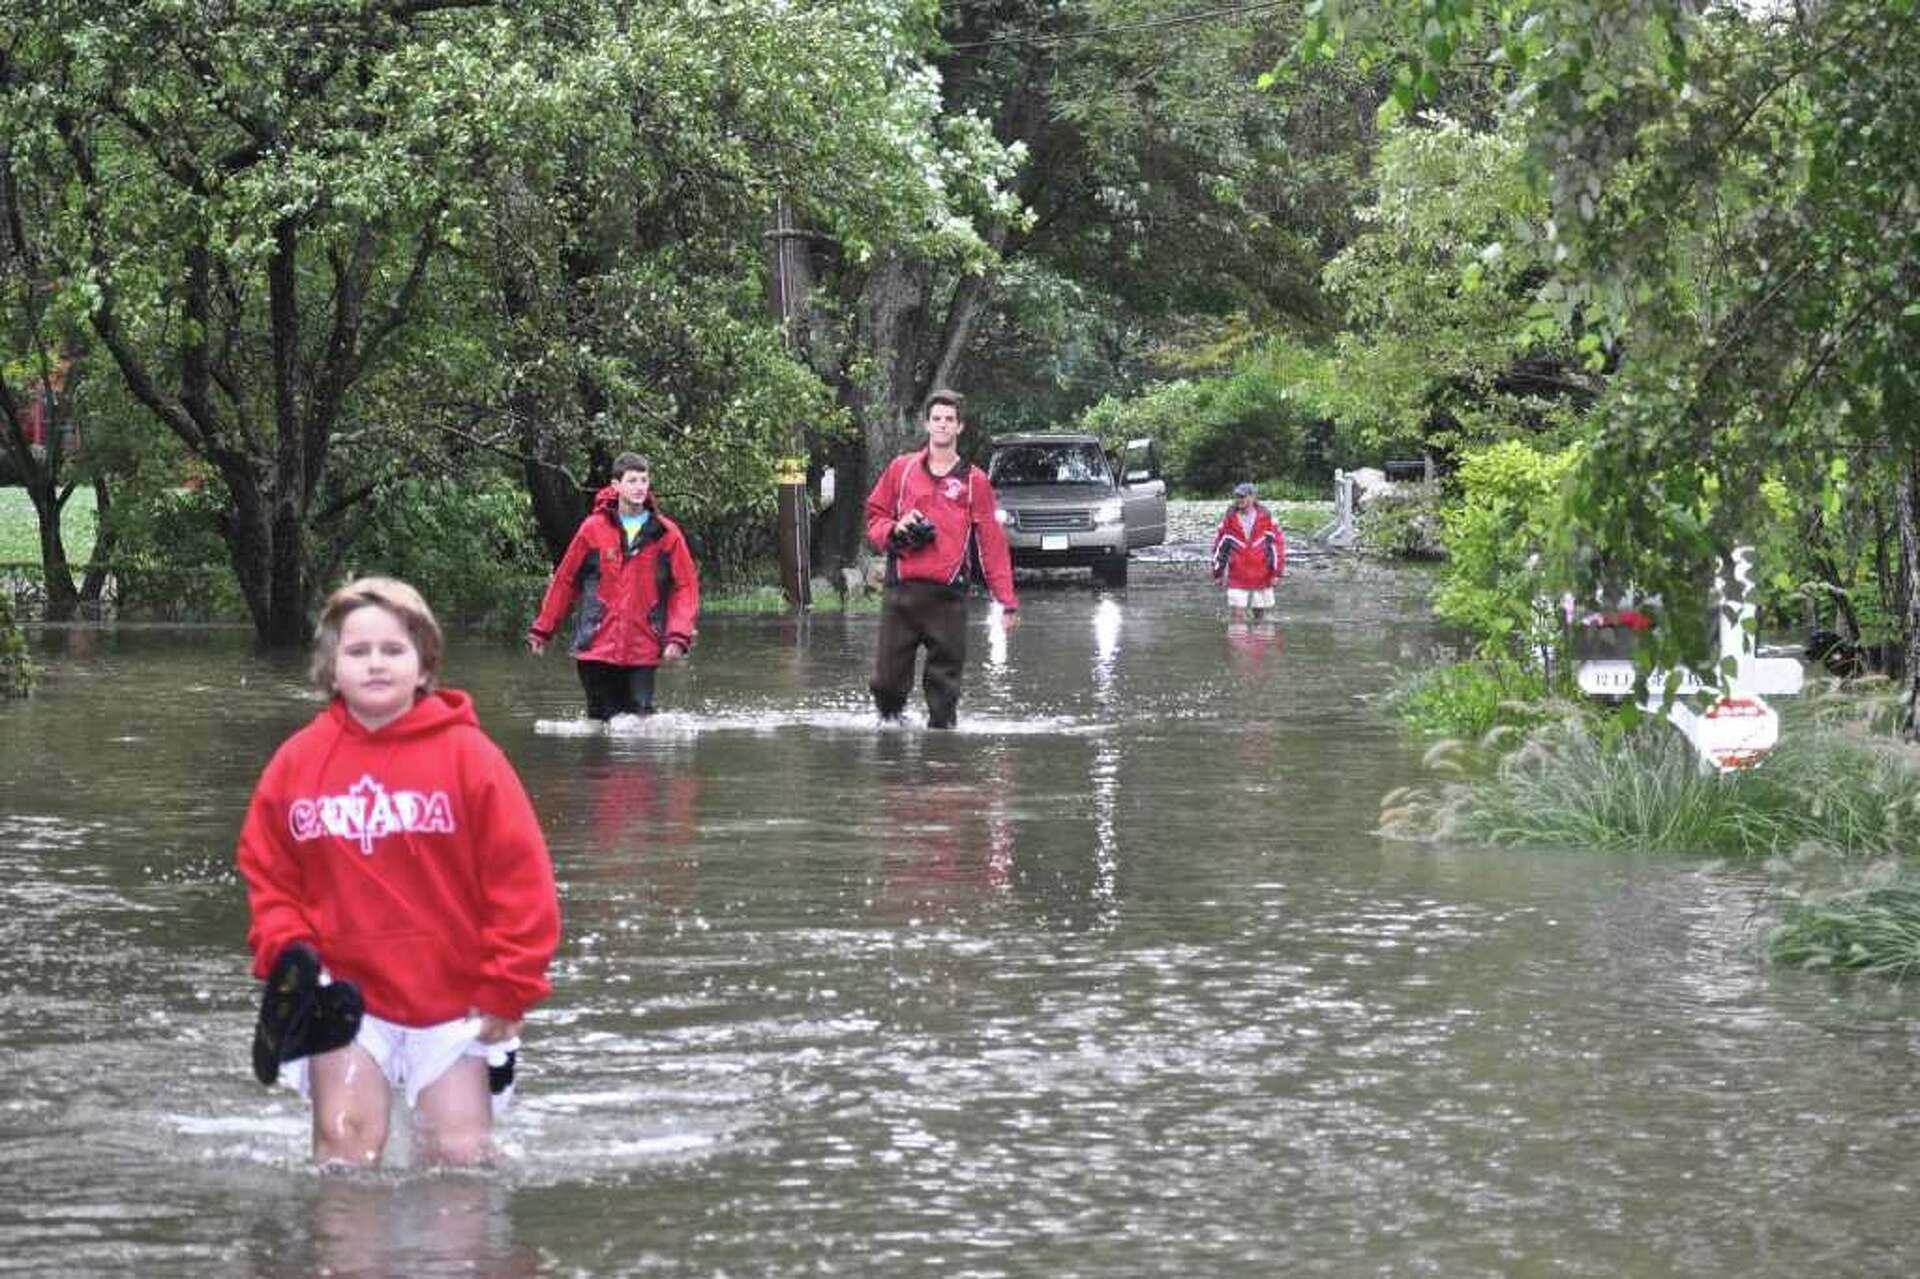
299	1016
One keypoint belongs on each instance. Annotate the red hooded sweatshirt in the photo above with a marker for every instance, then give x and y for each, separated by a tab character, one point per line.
636	601
965	518
1250	560
409	857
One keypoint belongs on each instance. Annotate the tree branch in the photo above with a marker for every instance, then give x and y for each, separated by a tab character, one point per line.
106	321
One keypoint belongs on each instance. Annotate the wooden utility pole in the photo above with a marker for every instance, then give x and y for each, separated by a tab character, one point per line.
790	300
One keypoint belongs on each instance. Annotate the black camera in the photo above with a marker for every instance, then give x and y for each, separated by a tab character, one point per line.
915	535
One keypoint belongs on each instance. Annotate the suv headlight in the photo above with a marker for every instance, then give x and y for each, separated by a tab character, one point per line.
1005	516
1107	512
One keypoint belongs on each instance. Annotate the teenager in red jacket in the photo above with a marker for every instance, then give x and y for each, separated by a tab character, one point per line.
1249	554
936	518
393	863
640	593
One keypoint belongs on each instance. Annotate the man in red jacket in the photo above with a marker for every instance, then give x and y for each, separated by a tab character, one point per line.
639	593
936	518
1250	553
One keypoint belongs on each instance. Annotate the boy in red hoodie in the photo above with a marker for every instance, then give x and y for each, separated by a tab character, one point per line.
1249	553
390	841
640	594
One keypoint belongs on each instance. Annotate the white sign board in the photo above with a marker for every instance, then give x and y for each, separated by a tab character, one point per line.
1738	728
1732	733
1613	677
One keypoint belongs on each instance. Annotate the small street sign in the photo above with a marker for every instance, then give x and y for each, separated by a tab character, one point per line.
1732	733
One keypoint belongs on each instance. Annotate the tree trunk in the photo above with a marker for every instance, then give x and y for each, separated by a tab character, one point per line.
1907	503
286	624
840	528
40	475
106	541
893	308
557	508
63	601
249	538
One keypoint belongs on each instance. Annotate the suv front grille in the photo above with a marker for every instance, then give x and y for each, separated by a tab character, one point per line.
1054	521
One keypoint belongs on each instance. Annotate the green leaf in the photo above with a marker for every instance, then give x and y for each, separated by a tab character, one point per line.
1403	86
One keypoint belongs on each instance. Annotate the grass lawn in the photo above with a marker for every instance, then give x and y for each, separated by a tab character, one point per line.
20	529
1302	518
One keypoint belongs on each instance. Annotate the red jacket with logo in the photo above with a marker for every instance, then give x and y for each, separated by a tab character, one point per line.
409	857
965	516
1250	561
634	603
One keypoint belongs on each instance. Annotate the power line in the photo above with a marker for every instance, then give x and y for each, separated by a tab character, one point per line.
1149	25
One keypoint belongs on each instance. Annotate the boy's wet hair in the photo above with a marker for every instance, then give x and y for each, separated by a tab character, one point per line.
398	599
630	462
952	399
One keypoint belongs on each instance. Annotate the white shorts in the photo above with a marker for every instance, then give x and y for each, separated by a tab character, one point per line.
414	1057
1262	598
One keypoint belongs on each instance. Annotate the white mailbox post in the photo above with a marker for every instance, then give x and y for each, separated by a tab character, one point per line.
1739	727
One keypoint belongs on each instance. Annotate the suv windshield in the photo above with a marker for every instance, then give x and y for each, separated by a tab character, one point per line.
1016	464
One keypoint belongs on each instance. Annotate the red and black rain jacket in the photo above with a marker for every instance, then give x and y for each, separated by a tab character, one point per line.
1249	560
634	600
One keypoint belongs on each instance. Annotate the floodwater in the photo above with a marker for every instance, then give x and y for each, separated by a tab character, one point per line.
1116	980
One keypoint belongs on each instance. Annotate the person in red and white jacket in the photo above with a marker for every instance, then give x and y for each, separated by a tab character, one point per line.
390	848
936	517
639	590
1249	554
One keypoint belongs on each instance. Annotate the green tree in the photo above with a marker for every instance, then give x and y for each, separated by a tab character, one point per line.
251	198
1155	179
1734	224
1446	346
42	363
622	268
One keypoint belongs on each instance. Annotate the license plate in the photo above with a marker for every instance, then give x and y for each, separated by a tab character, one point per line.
1054	542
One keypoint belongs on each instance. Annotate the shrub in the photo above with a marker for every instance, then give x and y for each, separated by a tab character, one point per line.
1567	788
16	671
467	546
1822	801
1404	523
170	563
1469	699
1494	533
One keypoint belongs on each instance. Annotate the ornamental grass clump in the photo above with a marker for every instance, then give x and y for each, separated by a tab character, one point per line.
1873	929
1565	787
1822	798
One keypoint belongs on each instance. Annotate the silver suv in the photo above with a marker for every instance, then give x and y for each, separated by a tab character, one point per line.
1066	504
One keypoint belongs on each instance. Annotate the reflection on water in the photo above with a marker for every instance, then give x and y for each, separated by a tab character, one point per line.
1113	980
366	1226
